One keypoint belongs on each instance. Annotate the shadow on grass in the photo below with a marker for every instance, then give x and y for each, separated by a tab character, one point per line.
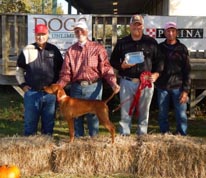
197	128
10	127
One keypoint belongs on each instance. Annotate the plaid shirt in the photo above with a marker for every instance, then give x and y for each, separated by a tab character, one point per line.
86	63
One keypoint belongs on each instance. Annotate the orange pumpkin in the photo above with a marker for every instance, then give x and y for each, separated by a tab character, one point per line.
7	171
3	172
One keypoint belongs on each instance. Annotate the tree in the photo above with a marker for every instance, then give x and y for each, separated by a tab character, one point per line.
28	6
10	6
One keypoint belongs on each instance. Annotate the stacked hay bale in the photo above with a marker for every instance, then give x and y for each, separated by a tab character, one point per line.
145	156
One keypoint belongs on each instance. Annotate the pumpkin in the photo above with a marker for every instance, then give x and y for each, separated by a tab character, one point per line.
7	171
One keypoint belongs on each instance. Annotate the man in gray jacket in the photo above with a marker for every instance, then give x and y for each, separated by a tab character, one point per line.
145	51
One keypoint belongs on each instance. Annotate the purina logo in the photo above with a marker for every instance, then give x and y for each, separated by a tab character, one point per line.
182	33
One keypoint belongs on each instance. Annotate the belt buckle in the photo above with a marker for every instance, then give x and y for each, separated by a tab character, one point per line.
84	83
135	80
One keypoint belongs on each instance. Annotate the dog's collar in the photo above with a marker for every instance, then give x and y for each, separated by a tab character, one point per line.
61	98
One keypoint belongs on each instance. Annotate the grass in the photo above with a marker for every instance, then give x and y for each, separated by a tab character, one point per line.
11	117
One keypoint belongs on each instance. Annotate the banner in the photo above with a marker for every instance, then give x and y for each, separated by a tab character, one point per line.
61	32
191	29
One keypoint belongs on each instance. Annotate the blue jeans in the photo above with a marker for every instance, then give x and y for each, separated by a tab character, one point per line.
127	92
180	110
38	104
89	92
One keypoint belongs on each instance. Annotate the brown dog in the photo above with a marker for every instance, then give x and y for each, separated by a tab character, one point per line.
70	108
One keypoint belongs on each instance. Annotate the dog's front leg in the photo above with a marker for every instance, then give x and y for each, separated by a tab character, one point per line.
70	122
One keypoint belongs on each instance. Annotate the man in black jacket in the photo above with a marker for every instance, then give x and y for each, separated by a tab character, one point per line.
38	65
133	55
175	80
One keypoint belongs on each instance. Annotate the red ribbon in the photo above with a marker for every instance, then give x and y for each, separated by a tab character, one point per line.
144	82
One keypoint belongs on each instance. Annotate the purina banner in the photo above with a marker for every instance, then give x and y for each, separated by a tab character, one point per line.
191	29
61	31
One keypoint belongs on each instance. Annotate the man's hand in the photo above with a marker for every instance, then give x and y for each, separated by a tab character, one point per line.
126	65
183	97
26	88
116	89
154	77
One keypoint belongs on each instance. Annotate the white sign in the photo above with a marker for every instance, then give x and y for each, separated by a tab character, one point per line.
61	32
192	29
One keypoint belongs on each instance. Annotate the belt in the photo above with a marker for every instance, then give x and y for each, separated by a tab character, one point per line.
85	83
134	80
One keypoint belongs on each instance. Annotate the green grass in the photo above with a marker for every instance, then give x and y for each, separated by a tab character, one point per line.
11	117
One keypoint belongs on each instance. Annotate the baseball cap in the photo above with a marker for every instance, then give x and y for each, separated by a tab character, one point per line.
170	25
81	24
41	28
136	19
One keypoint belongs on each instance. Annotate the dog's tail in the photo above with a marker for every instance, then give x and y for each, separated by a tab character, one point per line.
108	99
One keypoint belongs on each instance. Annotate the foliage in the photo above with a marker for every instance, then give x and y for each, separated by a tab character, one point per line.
122	31
10	6
107	33
29	6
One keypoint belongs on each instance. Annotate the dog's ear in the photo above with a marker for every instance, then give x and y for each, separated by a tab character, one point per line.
48	89
60	93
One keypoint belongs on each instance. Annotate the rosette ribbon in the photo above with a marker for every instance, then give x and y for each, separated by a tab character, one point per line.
144	82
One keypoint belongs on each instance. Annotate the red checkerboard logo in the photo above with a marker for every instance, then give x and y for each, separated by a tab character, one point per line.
151	32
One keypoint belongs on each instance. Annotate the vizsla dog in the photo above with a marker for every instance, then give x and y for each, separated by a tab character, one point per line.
70	108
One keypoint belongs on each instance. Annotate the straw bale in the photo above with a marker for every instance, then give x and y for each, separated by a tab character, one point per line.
171	156
149	155
152	155
31	154
94	156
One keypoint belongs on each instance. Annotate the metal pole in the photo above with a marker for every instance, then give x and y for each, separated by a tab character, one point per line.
54	6
69	7
42	6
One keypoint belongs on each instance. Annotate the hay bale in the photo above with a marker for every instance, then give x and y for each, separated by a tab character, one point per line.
95	156
31	154
149	155
171	156
156	156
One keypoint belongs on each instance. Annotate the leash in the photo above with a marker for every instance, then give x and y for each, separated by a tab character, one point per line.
120	105
144	82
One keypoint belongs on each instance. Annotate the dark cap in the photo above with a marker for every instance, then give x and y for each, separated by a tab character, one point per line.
136	19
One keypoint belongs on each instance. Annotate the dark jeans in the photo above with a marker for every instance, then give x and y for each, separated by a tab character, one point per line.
180	110
39	104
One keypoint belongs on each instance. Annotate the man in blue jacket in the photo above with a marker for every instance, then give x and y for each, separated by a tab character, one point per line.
38	65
